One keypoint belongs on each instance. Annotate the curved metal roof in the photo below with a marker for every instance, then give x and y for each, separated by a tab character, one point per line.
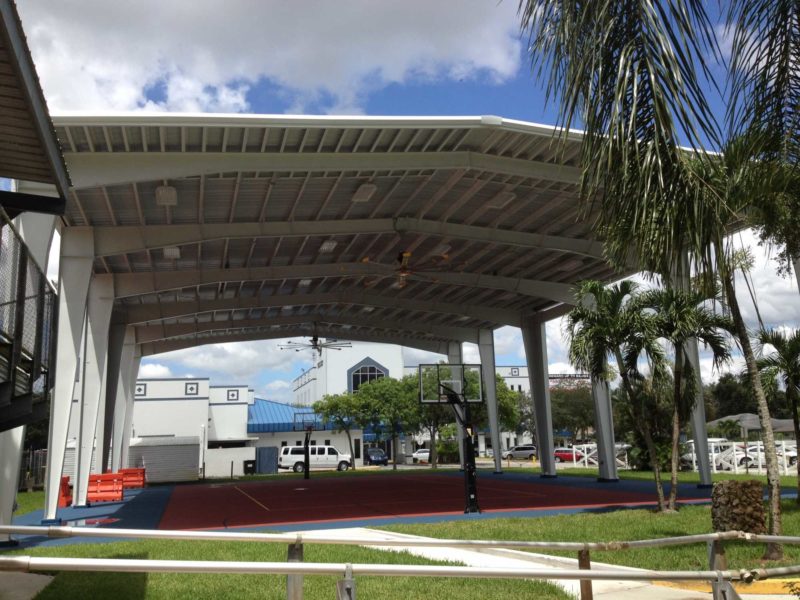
411	230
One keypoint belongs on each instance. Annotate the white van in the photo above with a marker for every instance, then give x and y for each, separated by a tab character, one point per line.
319	457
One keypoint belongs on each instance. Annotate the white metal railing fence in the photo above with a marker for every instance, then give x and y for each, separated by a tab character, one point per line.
585	455
718	574
744	457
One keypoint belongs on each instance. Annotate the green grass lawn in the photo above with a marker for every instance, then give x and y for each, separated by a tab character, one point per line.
613	526
623	525
28	502
789	482
134	586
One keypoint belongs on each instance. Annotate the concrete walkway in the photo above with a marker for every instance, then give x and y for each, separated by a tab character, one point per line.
603	590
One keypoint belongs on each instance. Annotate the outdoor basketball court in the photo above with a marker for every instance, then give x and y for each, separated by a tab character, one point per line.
390	496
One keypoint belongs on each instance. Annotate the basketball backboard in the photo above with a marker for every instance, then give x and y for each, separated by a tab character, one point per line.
444	383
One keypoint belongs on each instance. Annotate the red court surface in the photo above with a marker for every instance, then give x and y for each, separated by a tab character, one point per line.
322	499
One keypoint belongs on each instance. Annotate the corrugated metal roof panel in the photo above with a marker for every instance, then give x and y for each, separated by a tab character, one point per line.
264	416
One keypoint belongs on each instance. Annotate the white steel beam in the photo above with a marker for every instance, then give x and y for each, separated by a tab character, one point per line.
534	338
124	376
92	392
159	347
160	331
110	241
488	371
75	271
91	169
136	284
170	310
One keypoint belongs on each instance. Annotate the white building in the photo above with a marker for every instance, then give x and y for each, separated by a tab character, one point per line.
336	371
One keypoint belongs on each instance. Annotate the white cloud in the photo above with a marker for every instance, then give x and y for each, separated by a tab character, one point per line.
154	371
413	357
241	360
278	390
203	56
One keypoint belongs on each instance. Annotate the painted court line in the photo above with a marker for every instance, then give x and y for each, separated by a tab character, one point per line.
251	498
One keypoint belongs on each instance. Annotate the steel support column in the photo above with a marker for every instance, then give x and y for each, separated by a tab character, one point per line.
129	399
699	429
75	270
11	443
680	278
116	341
92	396
120	367
604	429
488	371
535	340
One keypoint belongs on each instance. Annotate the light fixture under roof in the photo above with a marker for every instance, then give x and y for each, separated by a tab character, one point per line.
327	246
304	283
368	309
365	192
166	195
172	253
501	200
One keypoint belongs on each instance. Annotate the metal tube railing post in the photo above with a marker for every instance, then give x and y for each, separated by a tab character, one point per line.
346	588
294	583
585	563
717	561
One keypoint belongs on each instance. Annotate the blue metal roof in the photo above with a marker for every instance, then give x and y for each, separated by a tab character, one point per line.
265	416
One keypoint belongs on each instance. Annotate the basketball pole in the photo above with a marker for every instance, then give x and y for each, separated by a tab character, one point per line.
470	470
307	455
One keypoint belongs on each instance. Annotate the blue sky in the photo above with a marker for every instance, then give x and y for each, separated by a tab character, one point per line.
415	57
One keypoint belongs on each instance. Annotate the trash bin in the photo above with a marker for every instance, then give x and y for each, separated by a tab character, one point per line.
249	467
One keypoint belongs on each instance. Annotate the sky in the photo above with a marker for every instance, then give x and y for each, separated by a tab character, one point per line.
415	57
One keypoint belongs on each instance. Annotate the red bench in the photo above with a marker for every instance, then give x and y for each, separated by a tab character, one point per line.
132	478
106	487
64	493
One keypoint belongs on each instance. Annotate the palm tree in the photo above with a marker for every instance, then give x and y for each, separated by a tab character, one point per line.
606	323
765	94
681	317
786	360
632	72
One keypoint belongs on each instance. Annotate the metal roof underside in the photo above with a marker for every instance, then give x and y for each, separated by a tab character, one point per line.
29	150
268	239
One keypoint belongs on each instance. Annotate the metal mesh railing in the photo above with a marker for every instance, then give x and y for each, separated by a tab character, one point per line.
28	313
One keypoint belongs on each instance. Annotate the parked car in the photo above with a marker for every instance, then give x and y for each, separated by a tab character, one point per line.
526	451
320	457
376	456
423	455
567	454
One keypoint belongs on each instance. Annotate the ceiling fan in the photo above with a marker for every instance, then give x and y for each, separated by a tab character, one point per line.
403	269
314	344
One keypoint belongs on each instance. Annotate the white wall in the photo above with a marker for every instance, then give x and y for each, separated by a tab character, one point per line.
293	438
227	421
218	461
170	407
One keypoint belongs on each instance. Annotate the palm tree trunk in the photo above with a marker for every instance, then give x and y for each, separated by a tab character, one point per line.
773	551
352	454
645	430
433	454
676	429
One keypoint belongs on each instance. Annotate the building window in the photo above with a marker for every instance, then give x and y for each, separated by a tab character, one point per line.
284	443
140	389
191	389
233	395
364	375
327	442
